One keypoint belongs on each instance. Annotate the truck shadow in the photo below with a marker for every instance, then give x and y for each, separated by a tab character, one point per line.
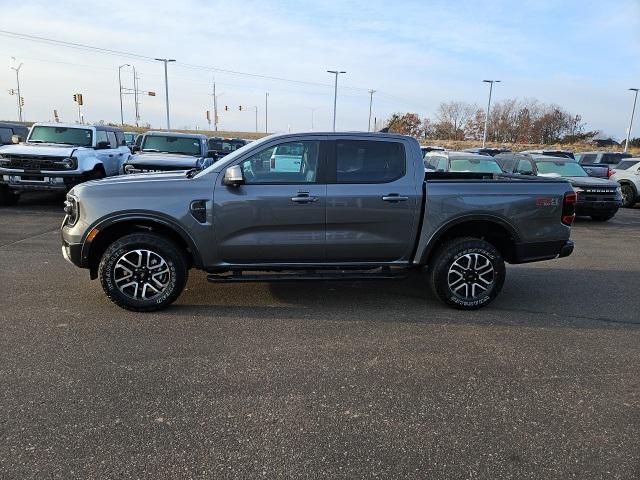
532	296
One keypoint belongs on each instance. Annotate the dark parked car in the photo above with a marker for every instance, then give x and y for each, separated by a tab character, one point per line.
600	164
598	198
487	151
357	207
552	153
224	146
160	151
430	148
461	162
11	133
130	138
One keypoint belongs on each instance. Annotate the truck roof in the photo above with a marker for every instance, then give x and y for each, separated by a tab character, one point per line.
343	134
105	128
176	134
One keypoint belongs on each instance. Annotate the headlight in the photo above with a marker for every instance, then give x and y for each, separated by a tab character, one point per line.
578	189
71	209
69	163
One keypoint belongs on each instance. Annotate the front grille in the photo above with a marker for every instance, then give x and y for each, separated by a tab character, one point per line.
32	162
153	168
598	195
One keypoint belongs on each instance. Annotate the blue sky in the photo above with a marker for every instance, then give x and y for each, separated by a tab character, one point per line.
581	55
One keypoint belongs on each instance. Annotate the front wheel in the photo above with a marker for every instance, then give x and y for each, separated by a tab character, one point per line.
467	273
143	272
628	196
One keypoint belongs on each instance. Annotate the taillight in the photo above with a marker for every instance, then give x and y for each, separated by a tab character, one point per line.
569	208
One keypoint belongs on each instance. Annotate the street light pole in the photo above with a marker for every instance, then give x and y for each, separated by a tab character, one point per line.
371	92
166	86
19	95
335	94
486	119
633	110
120	85
266	112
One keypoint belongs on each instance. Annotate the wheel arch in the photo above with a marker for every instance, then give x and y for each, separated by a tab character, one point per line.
114	227
493	229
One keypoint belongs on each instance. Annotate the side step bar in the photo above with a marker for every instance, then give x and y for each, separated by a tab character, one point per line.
290	276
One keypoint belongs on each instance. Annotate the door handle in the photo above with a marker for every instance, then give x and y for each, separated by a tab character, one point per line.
304	198
394	197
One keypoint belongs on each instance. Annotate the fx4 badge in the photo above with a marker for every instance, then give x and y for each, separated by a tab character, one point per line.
546	202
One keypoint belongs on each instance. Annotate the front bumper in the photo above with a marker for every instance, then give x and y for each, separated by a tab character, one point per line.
42	180
72	253
536	252
597	207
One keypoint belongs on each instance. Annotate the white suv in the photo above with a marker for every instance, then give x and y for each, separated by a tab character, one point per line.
629	180
57	157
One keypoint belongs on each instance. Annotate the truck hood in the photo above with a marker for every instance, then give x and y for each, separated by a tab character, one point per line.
140	177
591	182
162	159
46	150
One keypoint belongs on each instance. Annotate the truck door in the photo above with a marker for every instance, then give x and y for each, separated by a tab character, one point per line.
373	201
277	215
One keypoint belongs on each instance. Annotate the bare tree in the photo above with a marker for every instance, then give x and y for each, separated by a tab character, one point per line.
451	119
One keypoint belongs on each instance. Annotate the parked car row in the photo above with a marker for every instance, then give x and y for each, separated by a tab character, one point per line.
58	156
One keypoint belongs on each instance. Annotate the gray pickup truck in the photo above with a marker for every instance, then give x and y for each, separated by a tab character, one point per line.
358	207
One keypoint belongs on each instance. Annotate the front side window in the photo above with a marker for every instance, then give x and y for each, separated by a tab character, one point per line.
473	164
5	135
525	167
292	162
587	158
81	137
101	136
367	161
178	145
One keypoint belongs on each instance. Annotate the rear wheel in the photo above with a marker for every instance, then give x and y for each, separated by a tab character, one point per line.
143	272
8	197
628	196
603	217
467	273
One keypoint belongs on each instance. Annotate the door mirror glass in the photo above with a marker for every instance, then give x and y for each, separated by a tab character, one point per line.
212	154
233	176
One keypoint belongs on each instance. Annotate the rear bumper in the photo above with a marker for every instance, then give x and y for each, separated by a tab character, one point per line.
536	252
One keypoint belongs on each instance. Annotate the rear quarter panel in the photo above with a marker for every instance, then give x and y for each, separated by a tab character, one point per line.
531	210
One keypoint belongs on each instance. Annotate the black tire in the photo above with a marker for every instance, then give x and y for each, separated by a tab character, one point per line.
603	217
124	249
628	195
8	198
447	280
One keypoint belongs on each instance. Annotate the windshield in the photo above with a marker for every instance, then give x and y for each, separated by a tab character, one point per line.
626	164
61	135
130	137
561	169
178	145
225	146
480	165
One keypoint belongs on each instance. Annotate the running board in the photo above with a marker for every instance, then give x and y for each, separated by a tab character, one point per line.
238	277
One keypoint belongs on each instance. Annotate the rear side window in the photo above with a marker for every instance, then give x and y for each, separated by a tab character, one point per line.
611	159
587	158
112	139
367	161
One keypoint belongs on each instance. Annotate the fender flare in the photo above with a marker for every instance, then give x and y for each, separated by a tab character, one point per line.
423	252
155	217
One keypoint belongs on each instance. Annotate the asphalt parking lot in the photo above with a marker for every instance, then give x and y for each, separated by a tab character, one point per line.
314	380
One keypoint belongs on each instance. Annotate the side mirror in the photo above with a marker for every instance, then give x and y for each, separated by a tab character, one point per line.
103	145
15	139
212	154
233	176
135	148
